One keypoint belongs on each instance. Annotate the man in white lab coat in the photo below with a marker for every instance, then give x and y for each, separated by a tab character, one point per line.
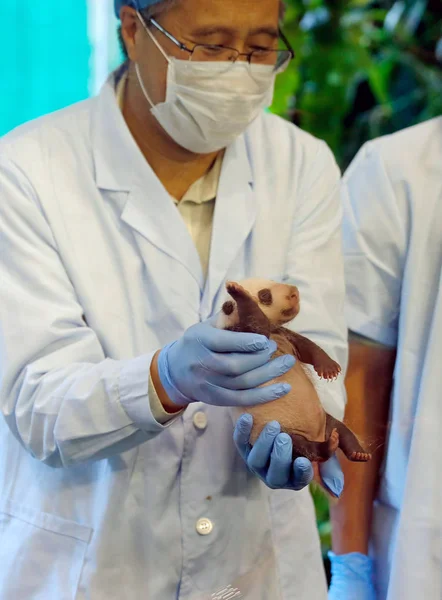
387	526
122	473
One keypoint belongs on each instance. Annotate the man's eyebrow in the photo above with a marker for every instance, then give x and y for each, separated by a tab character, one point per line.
209	30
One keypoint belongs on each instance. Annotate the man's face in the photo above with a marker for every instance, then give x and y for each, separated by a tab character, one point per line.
243	25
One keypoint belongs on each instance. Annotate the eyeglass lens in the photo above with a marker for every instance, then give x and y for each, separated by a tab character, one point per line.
204	53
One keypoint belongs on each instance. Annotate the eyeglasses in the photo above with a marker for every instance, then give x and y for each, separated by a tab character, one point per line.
208	52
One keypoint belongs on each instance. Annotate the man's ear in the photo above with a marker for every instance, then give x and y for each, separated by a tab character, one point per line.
130	26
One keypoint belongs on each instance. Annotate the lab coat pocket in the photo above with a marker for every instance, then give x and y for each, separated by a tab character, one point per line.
41	555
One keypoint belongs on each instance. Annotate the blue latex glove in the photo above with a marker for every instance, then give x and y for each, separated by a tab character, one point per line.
270	459
222	368
352	577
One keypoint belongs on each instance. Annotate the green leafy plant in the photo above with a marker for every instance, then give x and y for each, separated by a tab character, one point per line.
323	520
362	69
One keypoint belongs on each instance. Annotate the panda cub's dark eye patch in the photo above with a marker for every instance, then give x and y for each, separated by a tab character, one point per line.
265	296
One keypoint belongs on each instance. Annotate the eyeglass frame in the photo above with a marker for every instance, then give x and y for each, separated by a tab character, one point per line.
182	46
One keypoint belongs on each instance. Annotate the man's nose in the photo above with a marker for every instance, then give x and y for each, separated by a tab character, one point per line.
294	292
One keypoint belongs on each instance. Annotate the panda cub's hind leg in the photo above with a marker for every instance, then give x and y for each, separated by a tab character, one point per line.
315	451
348	442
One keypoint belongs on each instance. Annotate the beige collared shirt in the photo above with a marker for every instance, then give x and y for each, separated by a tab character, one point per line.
196	208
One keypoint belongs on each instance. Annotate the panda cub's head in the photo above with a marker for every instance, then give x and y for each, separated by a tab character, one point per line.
278	301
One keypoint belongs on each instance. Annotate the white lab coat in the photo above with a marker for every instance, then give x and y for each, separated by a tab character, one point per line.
393	261
97	271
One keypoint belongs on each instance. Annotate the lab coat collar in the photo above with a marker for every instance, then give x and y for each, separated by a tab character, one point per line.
149	209
122	170
117	159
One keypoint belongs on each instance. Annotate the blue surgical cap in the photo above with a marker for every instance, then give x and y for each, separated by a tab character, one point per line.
139	4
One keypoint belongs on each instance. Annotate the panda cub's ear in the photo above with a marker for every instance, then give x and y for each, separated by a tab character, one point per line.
228	307
265	296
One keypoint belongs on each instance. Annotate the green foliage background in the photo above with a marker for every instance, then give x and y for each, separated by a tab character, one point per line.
362	69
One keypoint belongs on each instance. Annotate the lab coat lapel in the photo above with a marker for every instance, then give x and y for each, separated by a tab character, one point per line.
121	168
235	212
154	215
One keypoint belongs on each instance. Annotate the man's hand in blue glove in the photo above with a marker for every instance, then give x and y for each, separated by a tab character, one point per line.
270	459
219	367
351	577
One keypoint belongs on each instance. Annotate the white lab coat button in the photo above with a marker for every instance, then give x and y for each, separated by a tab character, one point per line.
204	526
200	420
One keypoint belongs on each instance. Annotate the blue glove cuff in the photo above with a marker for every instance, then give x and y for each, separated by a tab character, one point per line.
164	373
353	563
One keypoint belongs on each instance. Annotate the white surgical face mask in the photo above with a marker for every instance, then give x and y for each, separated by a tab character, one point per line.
209	104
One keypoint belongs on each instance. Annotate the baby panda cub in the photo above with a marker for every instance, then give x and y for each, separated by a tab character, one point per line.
263	307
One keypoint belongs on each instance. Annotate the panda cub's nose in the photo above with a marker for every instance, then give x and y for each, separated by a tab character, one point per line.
294	292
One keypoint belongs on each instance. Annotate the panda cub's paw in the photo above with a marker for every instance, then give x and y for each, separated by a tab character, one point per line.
236	290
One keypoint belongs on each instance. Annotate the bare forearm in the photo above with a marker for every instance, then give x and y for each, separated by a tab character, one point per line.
351	516
368	384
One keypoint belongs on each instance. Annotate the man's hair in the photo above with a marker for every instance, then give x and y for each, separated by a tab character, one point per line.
160	7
